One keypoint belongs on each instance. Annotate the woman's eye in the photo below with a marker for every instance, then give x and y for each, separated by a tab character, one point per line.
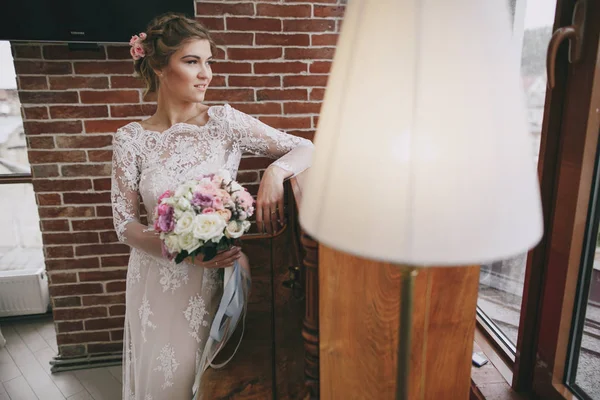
192	62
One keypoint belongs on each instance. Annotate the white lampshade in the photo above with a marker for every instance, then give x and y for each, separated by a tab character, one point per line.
423	154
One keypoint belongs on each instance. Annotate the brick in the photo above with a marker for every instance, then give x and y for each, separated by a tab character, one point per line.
103	276
56	225
96	300
308	25
224	67
99	348
267	53
104	125
253	24
70	238
102	184
41	127
76	289
114	261
328	11
306	80
92	224
116	335
287	122
73	351
326	39
212	24
244	177
121	82
219	9
86	198
71	326
101	249
324	53
218	81
59	251
61	185
281	94
255	163
99	155
132	110
118	52
233	38
65	112
36	142
48	199
104	211
86	170
80	313
70	264
32	83
254	81
83	142
104	67
230	95
63	302
62	52
110	96
317	94
78	82
103	323
86	337
48	97
26	51
280	67
314	1
56	278
273	39
301	108
117	310
55	156
283	11
315	121
118	286
42	68
258	108
62	212
320	67
44	171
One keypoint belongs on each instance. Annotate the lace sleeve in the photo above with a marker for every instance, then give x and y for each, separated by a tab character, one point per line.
293	154
124	183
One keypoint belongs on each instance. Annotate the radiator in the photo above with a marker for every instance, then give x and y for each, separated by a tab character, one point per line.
23	292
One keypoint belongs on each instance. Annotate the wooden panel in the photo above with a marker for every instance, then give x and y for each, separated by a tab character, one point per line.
359	316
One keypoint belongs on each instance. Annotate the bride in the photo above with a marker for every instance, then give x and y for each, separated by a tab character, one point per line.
171	307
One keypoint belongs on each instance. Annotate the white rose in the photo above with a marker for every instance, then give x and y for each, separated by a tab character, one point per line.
242	215
246	225
236	186
185	223
184	204
225	175
208	227
169	201
185	189
188	242
178	213
234	230
172	243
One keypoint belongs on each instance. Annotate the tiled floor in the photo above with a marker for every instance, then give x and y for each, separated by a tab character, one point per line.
25	369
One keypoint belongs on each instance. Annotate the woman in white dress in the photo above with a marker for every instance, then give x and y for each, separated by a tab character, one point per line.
170	307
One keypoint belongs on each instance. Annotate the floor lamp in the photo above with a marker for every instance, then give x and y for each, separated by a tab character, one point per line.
423	155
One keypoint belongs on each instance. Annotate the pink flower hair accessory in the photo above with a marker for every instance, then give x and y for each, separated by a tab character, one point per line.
137	50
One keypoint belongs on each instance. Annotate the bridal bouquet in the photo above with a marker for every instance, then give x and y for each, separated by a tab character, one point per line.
203	216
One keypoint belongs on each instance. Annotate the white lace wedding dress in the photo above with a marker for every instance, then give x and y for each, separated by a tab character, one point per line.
170	307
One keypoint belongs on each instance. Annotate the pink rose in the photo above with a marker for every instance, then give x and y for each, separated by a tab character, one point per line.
165	194
208	210
163	209
134	39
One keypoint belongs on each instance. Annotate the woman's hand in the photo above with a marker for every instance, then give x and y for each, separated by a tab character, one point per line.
269	204
222	259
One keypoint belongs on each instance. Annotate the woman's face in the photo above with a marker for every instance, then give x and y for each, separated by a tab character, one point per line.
189	72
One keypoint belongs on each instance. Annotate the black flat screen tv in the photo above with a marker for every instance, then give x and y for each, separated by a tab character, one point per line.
91	21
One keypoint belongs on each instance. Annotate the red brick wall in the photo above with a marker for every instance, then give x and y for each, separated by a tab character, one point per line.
275	63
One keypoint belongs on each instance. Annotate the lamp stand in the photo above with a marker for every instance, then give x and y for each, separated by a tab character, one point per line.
407	285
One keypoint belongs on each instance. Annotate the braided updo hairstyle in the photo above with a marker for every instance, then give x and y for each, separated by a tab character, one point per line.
166	34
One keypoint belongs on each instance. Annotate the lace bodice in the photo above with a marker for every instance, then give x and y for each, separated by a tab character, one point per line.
147	163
